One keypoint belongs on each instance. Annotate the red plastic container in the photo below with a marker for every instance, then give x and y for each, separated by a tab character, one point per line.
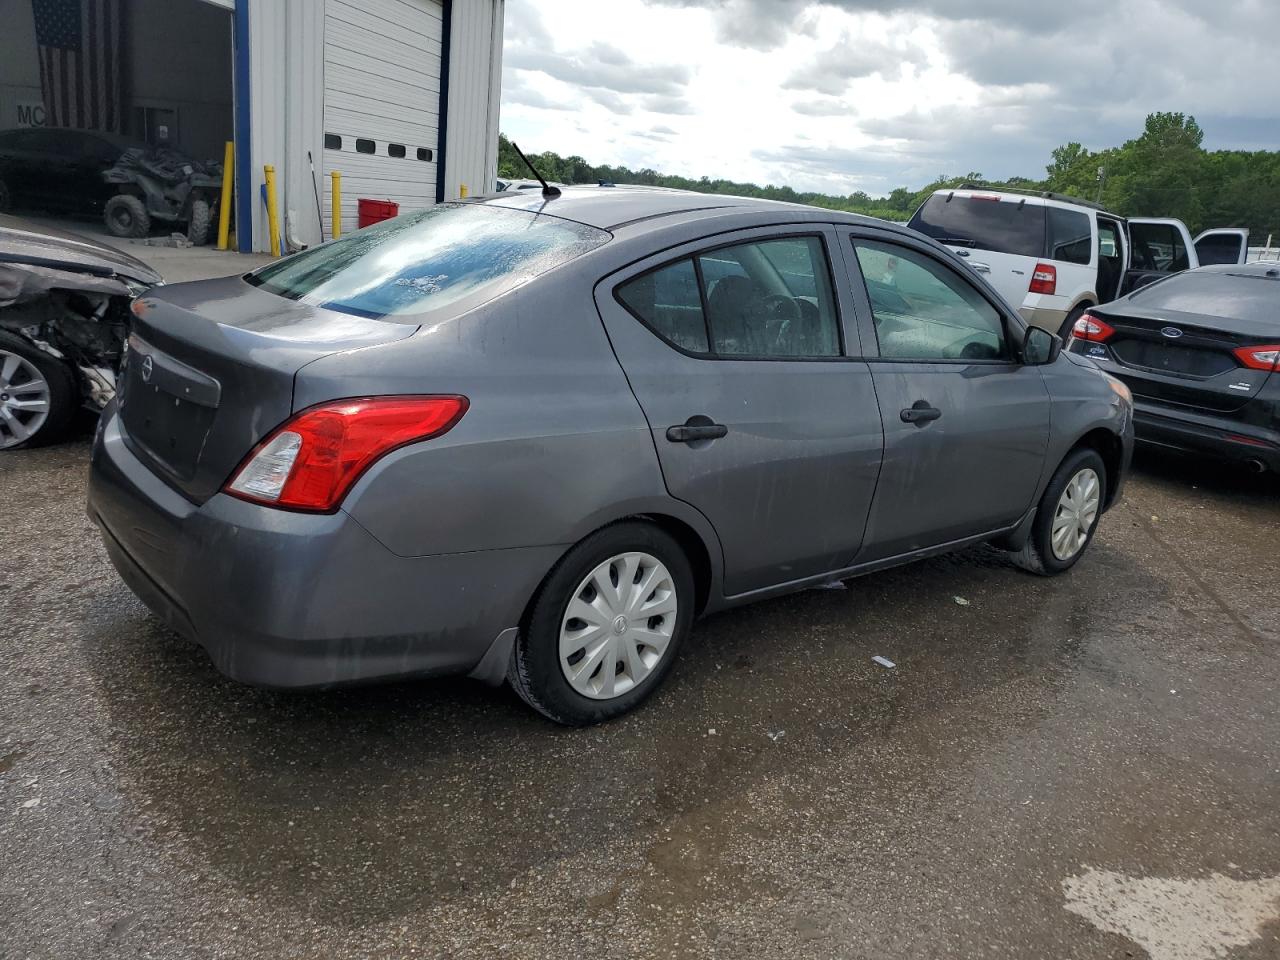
375	211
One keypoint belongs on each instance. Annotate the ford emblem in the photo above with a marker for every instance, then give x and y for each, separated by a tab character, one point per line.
147	366
1171	332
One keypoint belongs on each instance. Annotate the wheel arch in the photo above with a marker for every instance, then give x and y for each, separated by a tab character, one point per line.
1110	448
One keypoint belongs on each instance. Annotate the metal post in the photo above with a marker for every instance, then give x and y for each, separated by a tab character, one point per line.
224	208
273	219
335	204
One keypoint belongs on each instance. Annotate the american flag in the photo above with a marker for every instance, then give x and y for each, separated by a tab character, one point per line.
79	42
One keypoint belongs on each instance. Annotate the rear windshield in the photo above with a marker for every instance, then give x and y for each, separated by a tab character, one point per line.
1243	296
421	262
983	223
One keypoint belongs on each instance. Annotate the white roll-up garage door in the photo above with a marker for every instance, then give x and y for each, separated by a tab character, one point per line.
382	101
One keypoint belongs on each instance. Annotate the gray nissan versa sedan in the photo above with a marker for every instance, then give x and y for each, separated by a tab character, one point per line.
534	438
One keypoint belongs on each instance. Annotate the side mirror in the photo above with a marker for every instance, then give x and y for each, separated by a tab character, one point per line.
1039	346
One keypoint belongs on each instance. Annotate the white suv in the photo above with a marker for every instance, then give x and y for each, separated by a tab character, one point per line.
1052	256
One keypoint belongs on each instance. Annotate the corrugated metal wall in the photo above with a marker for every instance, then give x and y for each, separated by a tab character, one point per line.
475	85
286	53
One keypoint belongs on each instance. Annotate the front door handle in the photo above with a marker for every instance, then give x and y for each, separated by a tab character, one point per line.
695	429
920	413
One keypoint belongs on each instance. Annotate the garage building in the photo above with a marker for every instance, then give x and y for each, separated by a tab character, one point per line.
400	96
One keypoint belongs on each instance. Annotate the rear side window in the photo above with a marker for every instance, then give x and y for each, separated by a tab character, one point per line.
418	263
983	223
769	299
1070	239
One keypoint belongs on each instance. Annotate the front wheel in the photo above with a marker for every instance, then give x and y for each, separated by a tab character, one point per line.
126	216
37	395
198	225
605	627
1067	515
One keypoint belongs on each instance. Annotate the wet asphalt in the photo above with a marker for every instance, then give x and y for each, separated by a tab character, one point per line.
782	796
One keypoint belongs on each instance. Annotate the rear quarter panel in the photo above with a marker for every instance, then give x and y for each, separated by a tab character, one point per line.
553	444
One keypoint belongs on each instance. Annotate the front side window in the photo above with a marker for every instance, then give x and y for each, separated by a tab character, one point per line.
765	299
420	262
923	311
1157	246
1070	237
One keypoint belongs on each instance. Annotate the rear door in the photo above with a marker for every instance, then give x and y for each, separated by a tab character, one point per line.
1158	246
966	424
1223	245
999	238
760	417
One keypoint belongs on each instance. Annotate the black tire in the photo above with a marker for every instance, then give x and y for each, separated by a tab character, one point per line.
1069	324
64	397
126	216
535	672
6	198
198	225
1037	555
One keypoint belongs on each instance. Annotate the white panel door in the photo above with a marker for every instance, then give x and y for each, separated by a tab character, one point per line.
381	102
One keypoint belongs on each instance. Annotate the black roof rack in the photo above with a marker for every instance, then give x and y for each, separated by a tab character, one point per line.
1044	194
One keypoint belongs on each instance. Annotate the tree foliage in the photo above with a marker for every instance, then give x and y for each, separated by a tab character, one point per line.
1164	172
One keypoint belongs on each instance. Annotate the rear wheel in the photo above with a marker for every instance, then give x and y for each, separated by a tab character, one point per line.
37	395
1067	515
126	216
605	626
198	225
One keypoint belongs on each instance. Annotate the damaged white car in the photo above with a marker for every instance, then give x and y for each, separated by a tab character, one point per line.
64	318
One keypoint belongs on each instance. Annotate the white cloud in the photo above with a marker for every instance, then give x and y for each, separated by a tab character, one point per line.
872	94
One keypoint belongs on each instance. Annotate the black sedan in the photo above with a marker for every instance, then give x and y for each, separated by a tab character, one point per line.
58	169
1201	352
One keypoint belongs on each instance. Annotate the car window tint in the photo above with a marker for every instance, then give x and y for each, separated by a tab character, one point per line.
1070	239
771	298
1108	240
421	262
923	311
1157	246
667	300
983	223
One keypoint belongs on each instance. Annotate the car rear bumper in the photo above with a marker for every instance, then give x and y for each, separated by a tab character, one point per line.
1048	318
1203	433
287	599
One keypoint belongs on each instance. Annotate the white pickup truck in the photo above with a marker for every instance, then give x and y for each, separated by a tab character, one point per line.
1053	257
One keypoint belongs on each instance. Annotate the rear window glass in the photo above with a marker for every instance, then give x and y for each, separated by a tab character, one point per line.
420	262
1070	237
983	224
1249	297
1157	246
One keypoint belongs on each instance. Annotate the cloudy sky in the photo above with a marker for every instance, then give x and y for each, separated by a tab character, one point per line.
874	94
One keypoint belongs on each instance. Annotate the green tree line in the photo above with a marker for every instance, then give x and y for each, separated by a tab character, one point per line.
1164	172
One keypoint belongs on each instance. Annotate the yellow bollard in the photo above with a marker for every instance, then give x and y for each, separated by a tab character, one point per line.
273	220
335	203
224	208
462	191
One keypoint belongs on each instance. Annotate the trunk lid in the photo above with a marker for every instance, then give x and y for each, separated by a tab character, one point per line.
210	371
1182	358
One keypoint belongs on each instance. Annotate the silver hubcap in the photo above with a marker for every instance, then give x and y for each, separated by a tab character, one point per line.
24	399
1077	509
617	625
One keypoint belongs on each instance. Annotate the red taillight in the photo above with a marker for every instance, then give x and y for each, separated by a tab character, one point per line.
1044	279
1089	327
311	460
1264	357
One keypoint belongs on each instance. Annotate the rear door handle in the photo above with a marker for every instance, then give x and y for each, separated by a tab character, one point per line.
920	413
980	267
693	432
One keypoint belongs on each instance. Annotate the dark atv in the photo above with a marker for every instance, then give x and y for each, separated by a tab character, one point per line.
161	184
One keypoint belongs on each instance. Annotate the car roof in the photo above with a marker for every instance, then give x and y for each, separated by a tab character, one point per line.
611	207
1031	198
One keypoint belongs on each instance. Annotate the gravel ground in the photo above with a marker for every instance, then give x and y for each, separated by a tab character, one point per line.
1081	767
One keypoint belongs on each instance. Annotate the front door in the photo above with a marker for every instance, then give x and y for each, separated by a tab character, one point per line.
760	417
1223	245
966	424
